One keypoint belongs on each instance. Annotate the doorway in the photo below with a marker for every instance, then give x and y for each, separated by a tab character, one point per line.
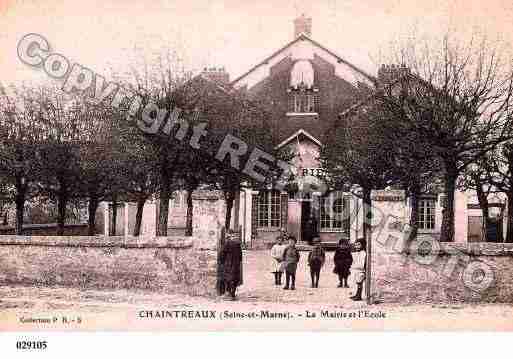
308	221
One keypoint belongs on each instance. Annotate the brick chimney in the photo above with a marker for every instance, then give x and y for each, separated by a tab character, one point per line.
388	74
302	25
217	75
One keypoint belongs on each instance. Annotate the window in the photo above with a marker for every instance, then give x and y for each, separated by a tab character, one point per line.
303	102
426	219
269	209
334	216
297	103
310	103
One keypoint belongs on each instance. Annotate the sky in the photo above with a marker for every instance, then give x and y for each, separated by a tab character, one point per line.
112	35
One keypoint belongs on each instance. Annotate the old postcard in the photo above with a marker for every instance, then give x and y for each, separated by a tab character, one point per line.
229	165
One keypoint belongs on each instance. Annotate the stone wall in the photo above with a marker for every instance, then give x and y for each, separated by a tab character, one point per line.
164	264
428	271
442	273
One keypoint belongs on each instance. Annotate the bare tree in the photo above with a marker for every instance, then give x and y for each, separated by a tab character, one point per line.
20	137
498	174
59	155
102	169
479	177
356	153
456	97
159	84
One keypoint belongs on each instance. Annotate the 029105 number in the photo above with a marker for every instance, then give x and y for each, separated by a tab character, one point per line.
31	345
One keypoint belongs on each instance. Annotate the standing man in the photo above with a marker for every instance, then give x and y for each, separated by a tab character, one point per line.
231	258
291	259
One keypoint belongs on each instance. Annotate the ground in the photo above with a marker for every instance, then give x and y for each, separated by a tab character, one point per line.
259	282
75	309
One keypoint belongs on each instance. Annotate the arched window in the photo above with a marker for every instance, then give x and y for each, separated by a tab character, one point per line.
302	75
303	95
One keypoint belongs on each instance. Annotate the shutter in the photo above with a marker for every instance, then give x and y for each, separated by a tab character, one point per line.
284	211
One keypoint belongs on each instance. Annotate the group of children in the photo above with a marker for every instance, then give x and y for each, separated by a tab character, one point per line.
347	257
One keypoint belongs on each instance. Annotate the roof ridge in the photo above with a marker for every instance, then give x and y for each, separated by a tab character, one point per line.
303	36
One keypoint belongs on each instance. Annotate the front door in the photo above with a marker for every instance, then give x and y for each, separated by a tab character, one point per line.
305	225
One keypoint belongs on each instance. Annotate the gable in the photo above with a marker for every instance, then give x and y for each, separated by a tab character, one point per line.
302	135
303	48
304	147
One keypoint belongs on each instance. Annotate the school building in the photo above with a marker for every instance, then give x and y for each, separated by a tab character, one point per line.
306	86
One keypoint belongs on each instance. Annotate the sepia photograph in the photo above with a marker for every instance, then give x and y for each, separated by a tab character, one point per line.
270	166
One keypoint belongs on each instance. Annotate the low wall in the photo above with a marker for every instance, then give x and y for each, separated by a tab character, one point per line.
164	264
47	230
443	273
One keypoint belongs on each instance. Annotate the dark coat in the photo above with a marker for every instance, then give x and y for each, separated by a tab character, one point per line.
290	259
343	260
317	253
231	258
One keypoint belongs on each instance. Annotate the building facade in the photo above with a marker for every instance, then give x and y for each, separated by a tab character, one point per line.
304	87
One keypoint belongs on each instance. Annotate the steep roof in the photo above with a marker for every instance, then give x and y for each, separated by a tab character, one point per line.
300	132
343	67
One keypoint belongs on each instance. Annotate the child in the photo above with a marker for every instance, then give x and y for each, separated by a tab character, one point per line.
290	259
343	260
277	255
359	257
316	259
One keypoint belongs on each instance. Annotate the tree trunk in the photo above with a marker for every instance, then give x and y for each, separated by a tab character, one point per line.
114	216
367	232
483	203
138	216
20	205
414	215
91	221
190	207
62	202
229	199
447	230
509	228
165	194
